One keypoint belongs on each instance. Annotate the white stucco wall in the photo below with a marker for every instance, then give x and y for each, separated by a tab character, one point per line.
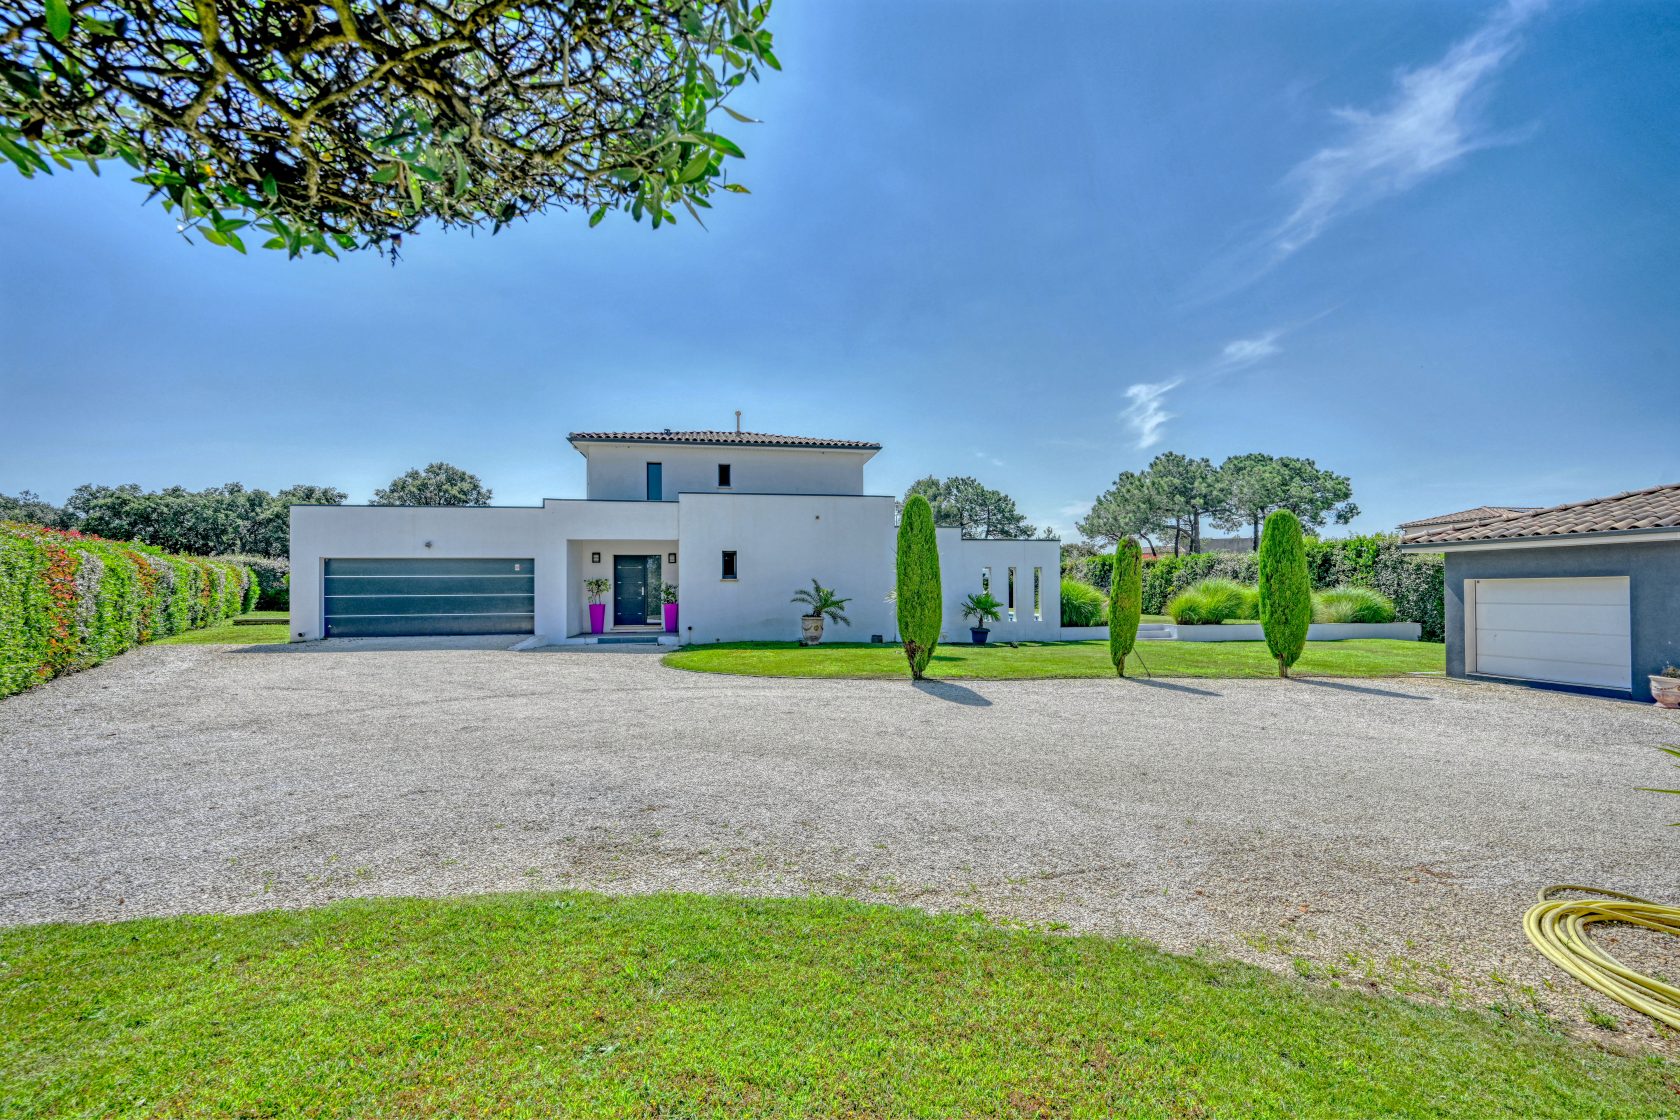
383	532
781	543
618	471
961	564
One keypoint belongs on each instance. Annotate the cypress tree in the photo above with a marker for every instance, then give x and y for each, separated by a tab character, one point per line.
920	599
1125	603
1285	589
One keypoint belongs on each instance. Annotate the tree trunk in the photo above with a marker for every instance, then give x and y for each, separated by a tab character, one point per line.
1195	532
1257	532
1283	669
1120	666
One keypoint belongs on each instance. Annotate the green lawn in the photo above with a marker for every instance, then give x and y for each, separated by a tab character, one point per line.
226	633
1363	658
679	1005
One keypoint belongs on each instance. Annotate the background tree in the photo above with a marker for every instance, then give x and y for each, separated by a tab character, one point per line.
1125	603
335	126
1255	484
218	521
1285	589
438	484
31	507
963	503
1129	508
919	595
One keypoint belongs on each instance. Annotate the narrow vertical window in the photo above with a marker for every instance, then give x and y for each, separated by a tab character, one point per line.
655	482
1011	593
1038	594
723	475
986	578
728	565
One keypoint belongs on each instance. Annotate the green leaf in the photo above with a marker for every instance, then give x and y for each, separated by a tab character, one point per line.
595	218
414	192
270	189
58	19
695	168
742	117
723	144
426	173
385	174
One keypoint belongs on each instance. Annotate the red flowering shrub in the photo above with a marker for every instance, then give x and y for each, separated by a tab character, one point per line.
69	600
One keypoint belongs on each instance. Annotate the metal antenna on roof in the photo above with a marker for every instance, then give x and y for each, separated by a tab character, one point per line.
737	421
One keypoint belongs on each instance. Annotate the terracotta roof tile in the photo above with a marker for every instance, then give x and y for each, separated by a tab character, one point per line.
1480	513
738	439
1655	508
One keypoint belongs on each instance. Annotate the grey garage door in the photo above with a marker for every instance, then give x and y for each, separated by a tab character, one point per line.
386	598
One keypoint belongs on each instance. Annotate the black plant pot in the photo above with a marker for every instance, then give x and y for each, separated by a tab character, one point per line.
979	634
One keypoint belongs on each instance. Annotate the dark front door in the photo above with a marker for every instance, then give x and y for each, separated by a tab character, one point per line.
630	590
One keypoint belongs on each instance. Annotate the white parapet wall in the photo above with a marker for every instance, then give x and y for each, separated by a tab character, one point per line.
967	567
1317	632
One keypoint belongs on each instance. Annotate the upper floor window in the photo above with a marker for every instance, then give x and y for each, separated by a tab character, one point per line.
655	482
728	565
723	474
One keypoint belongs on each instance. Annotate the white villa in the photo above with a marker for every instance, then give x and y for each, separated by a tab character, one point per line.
737	520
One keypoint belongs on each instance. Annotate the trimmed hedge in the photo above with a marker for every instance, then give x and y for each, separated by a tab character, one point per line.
68	600
1412	583
273	576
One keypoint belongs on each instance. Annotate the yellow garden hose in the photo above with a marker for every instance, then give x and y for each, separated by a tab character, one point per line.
1558	928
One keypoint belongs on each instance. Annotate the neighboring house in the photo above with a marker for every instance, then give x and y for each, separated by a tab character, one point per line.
1585	594
1410	529
738	520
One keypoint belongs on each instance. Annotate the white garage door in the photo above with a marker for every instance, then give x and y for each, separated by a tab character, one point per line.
1566	631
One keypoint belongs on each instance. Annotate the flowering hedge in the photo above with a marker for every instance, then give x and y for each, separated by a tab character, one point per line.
69	600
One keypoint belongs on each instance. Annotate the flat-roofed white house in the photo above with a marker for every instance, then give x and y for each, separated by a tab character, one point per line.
737	520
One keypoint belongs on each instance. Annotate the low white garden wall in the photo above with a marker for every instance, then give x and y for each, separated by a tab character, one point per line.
1317	632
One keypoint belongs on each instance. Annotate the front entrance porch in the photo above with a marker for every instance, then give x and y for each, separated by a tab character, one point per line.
635	572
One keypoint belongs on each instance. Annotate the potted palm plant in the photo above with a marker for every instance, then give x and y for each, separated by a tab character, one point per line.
982	608
597	587
668	596
1665	687
821	603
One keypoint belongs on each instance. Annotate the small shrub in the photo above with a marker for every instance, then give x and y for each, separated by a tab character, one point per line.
1082	604
921	612
1285	589
1352	604
1212	601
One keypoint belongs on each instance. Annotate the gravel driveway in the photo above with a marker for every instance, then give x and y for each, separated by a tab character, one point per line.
1380	833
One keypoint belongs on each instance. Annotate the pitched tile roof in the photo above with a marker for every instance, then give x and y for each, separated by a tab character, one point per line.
1480	513
1655	508
738	439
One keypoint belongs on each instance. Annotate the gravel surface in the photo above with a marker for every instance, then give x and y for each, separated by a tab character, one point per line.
1383	833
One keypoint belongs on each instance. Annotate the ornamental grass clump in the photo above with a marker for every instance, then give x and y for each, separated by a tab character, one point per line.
1125	603
921	611
1082	604
1352	604
1212	601
69	600
1285	589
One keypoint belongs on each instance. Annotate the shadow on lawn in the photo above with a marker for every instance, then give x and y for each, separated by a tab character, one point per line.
1343	686
955	693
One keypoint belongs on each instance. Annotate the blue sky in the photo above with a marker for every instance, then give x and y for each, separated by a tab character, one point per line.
1434	246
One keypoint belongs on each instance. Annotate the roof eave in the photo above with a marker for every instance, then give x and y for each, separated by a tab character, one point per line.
868	448
1657	533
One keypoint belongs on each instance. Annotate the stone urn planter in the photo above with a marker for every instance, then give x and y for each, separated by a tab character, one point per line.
810	629
1665	690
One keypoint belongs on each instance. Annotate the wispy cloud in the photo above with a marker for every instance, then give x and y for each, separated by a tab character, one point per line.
1426	127
1246	351
1146	414
988	457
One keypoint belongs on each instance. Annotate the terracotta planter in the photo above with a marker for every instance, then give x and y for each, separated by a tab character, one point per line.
810	629
1665	691
670	618
597	617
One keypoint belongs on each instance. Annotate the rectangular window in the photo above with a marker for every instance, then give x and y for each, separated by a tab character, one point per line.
986	578
655	482
1012	593
723	474
728	565
1038	594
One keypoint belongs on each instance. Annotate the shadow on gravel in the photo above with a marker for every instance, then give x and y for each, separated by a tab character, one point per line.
1150	682
1341	686
955	693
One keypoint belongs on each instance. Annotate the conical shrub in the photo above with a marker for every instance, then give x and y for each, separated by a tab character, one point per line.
1125	603
920	598
1285	589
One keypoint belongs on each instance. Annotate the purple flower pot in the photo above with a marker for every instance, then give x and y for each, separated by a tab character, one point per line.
670	618
597	617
